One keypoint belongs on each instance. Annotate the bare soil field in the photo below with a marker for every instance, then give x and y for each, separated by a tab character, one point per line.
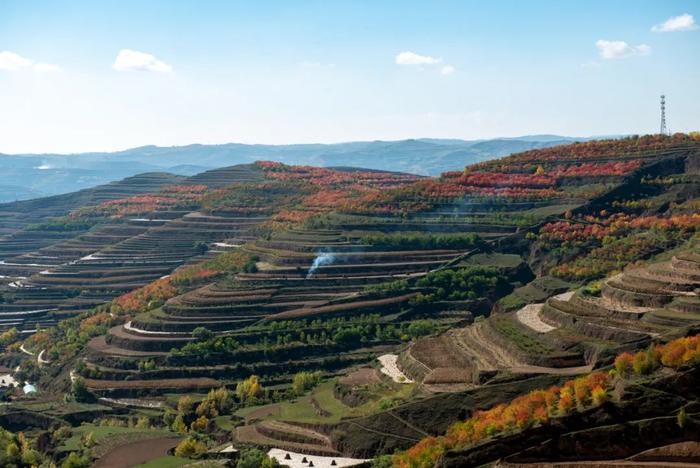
362	376
135	453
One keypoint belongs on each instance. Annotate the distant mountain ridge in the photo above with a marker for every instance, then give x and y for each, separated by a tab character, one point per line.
50	174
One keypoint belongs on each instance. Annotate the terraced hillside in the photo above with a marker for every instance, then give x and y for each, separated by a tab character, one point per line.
570	332
357	241
14	216
111	246
641	412
287	283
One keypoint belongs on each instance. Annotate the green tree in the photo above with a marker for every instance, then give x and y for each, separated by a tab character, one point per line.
179	425
12	450
202	334
80	391
185	405
200	424
250	267
89	440
73	460
8	337
254	458
142	423
304	381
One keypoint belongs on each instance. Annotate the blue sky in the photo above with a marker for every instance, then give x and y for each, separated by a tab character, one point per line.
97	75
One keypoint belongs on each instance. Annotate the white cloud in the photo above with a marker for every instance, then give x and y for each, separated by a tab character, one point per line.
128	59
411	58
684	22
447	70
620	49
10	61
46	67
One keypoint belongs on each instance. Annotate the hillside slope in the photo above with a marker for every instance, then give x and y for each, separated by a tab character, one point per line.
56	173
286	283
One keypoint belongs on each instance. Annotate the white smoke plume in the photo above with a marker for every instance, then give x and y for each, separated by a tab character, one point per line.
325	258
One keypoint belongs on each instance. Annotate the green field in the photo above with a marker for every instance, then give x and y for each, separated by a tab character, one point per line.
165	462
108	435
301	409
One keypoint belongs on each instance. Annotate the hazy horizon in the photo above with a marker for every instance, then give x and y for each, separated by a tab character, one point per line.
324	143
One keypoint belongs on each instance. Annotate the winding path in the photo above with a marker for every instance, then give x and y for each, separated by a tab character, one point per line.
530	317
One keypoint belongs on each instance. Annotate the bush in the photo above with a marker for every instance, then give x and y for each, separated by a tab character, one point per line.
383	461
76	461
202	334
254	458
80	391
190	448
250	267
623	363
249	389
304	381
200	424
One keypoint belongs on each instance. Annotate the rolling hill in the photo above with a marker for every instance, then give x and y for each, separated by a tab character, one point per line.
337	311
51	174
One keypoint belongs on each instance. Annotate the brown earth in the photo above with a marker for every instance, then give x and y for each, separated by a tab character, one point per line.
135	453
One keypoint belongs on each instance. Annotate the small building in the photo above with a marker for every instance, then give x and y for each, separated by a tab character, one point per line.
29	389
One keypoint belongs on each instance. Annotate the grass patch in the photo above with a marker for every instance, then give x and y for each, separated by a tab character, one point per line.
496	260
224	423
512	302
165	462
303	410
512	332
107	436
549	210
539	289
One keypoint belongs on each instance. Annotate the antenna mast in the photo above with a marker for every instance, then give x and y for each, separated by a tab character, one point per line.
663	129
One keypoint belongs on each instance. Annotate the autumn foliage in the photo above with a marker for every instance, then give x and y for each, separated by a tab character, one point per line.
539	406
169	197
157	292
612	241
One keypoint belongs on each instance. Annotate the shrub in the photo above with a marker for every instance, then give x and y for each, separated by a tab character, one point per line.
80	391
73	460
304	381
249	389
179	425
623	363
200	424
383	461
202	334
599	395
190	448
254	458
